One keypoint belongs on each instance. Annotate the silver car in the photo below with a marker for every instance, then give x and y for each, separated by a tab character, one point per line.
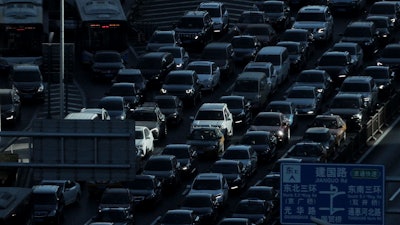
208	73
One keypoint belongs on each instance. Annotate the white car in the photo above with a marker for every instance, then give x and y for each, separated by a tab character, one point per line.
144	141
101	112
70	189
214	115
208	73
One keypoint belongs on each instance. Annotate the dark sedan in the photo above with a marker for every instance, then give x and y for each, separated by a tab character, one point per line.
277	12
297	56
383	78
233	171
258	211
264	144
390	56
240	108
203	204
186	156
321	135
265	33
128	91
208	141
106	64
245	48
171	107
312	152
145	189
339	65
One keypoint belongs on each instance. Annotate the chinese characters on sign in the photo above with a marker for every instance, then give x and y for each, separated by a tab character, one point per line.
335	193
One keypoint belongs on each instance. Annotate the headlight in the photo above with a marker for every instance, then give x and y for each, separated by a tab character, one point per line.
320	90
280	133
40	88
367	99
189	91
393	20
321	30
382	86
179	65
379	64
342	75
163	91
356	116
367	43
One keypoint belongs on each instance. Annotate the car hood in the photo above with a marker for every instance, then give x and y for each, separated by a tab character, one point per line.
364	94
332	70
389	61
307	25
301	101
156	46
207	123
108	65
346	112
187	30
356	39
313	84
115	113
158	174
253	217
264	128
213	192
135	192
176	87
309	159
114	205
204	77
202	142
274	15
199	210
260	147
247	95
168	111
148	73
47	208
27	85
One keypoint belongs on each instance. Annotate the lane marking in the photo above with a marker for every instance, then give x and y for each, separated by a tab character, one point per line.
394	195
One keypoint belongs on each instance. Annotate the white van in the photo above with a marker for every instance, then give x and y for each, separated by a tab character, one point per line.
279	57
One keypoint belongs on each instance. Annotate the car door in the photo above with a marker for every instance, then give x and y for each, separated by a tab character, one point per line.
71	192
229	121
148	139
216	74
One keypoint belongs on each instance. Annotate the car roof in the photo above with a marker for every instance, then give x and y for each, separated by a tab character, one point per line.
280	102
345	44
267	114
201	62
211	4
212	106
303	87
129	71
181	73
181	146
272	50
259	65
313	9
161	157
232	97
257	133
209	176
360	24
45	188
317	130
357	79
238	147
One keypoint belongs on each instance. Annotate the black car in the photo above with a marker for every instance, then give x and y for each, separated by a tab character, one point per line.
390	56
203	205
244	154
258	211
240	108
48	204
303	36
390	9
365	34
312	152
184	84
27	80
10	106
339	65
117	198
266	193
195	29
146	190
179	217
155	66
233	171
106	64
352	109
264	144
298	57
245	48
383	78
150	115
385	31
128	91
222	54
277	12
321	135
316	78
251	17
132	76
112	216
171	107
270	180
166	169
265	33
115	106
208	141
186	156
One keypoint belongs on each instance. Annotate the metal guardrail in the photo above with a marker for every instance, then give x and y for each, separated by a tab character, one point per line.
355	145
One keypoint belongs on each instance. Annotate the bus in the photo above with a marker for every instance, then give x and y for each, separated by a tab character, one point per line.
22	28
102	26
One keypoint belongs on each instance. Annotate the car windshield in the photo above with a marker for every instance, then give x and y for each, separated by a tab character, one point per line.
251	18
377	73
316	137
267	121
391	53
122	90
197	202
272	8
236	154
107	57
115	198
294	36
382	9
200	69
328	123
243	43
301	94
178	80
209	115
260	194
310	78
166	103
257	30
350	50
162	38
254	140
357	32
144	116
250	208
203	135
292	48
305	150
111	105
332	60
176	218
345	103
180	153
355	87
26	76
188	22
214	12
129	78
140	184
285	109
310	17
144	63
176	52
234	103
217	54
265	70
111	216
44	199
138	134
204	184
274	59
225	168
245	86
158	165
380	23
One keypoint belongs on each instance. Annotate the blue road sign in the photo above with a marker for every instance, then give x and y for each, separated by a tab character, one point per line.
336	193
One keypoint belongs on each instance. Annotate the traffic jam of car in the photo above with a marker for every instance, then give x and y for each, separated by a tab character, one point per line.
269	49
